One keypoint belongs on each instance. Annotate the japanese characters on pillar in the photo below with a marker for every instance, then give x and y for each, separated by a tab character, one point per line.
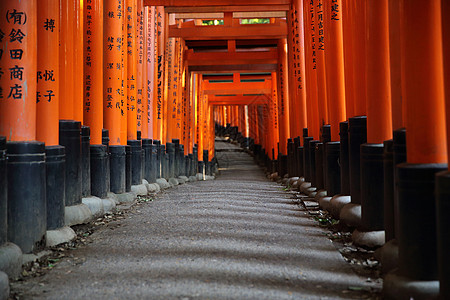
321	71
47	94
18	68
140	64
145	108
150	21
311	67
335	67
299	65
93	68
124	91
274	113
159	80
283	95
172	95
131	8
112	70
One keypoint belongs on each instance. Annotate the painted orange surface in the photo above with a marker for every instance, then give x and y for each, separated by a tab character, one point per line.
424	79
379	119
47	95
92	98
19	62
113	72
132	104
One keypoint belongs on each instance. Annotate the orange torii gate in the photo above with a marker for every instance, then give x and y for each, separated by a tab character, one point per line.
322	90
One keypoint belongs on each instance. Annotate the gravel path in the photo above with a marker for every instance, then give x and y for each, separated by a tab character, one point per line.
237	237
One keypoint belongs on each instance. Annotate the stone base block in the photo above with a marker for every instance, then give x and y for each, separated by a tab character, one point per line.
200	176
192	178
397	287
337	203
109	205
185	178
163	184
77	214
208	177
139	189
153	188
320	194
325	203
388	256
126	197
59	236
95	204
4	286
370	239
173	181
181	180
351	215
305	185
11	260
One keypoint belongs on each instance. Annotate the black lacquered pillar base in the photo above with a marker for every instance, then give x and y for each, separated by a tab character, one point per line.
136	161
85	161
99	178
55	163
118	169
443	231
27	207
357	135
70	138
3	193
417	274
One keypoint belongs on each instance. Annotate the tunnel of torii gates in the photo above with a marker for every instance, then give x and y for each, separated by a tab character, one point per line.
347	94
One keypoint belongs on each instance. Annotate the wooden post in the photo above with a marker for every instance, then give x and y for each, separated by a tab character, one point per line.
283	95
78	59
141	74
131	12
379	120
47	95
150	40
335	66
159	77
124	92
66	55
348	24
321	71
18	65
311	52
359	56
112	70
93	68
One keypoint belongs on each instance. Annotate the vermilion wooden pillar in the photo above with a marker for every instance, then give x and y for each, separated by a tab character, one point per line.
112	70
124	91
276	119
335	66
311	42
159	75
140	58
426	149
150	40
18	62
348	24
359	56
321	71
78	59
93	69
66	55
443	179
379	119
47	95
131	12
397	103
283	95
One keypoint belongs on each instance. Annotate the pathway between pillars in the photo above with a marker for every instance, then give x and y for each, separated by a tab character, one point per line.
238	237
